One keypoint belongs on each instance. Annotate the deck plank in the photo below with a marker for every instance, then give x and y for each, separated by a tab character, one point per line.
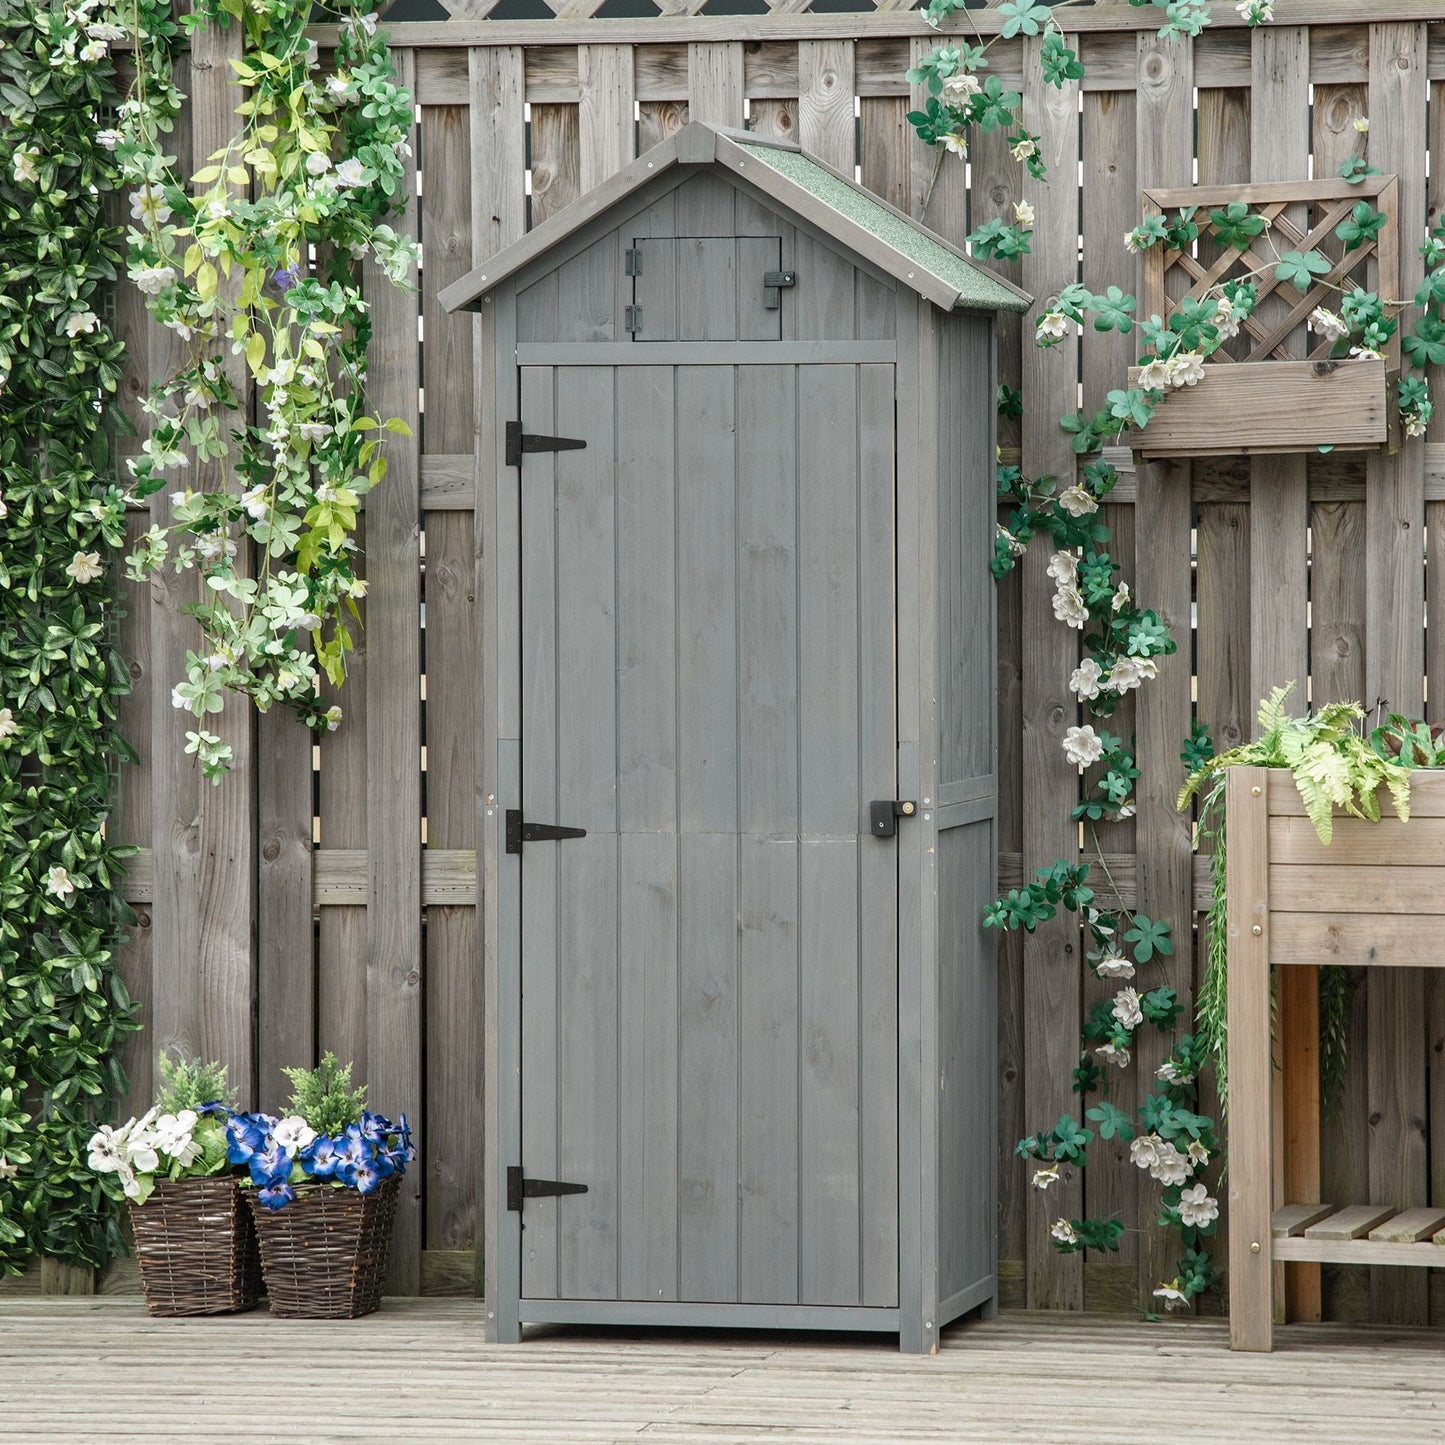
1328	1384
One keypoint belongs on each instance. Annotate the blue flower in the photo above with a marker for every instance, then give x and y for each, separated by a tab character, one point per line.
374	1128
363	1177
402	1130
286	278
245	1133
276	1193
216	1106
269	1163
320	1157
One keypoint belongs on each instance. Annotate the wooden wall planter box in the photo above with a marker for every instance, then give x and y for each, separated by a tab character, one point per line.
1264	407
1369	898
1276	389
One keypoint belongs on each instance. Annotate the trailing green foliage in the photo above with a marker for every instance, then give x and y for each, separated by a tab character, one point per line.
324	1098
63	1008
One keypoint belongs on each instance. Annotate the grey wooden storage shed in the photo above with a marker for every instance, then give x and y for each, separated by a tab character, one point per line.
736	503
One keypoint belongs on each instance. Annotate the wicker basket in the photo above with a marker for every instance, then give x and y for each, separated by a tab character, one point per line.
324	1254
196	1248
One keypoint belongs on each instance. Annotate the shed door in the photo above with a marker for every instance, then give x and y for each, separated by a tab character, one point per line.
709	977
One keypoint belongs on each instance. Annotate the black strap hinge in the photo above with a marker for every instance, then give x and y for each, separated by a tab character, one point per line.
519	441
519	1187
519	831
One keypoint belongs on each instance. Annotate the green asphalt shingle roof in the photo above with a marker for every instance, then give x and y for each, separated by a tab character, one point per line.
978	289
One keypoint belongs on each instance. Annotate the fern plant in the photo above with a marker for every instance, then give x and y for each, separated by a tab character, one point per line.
191	1083
323	1096
1335	768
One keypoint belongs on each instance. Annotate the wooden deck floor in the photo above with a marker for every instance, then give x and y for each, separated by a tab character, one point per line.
99	1369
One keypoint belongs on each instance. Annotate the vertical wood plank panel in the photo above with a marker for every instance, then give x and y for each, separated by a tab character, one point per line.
776	119
885	147
938	190
715	82
605	114
658	119
498	164
453	1001
1394	669
1051	953
1164	122
556	159
393	798
827	127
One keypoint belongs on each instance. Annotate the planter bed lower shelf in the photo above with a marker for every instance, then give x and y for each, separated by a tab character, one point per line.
1359	1234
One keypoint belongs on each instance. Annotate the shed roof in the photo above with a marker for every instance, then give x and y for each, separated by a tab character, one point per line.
873	230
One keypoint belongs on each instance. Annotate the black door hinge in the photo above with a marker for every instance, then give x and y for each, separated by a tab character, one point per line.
519	441
773	284
883	815
519	1187
519	832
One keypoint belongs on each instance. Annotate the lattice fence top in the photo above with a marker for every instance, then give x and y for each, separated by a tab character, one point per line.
404	10
1299	217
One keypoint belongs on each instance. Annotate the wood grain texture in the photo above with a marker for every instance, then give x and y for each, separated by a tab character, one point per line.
393	796
1394	670
827	127
1051	953
715	82
605	111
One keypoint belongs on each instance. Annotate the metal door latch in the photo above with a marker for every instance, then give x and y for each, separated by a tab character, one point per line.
883	815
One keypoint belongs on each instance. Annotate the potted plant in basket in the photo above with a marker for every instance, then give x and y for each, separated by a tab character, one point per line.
322	1185
194	1241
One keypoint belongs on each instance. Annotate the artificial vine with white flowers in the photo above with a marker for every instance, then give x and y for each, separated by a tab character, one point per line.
1121	642
63	1008
258	258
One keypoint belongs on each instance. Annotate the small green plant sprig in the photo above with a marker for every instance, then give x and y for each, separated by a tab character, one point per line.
64	1011
1334	767
324	1097
192	1083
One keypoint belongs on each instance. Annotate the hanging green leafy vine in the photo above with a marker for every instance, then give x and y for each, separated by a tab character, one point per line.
259	258
63	1009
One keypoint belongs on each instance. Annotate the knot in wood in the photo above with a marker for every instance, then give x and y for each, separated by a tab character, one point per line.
272	851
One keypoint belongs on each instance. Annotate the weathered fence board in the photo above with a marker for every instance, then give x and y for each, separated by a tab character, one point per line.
367	913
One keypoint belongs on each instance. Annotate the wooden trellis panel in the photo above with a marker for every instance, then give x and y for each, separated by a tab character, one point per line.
1309	567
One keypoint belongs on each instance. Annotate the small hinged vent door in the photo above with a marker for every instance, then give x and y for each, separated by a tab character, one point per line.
704	288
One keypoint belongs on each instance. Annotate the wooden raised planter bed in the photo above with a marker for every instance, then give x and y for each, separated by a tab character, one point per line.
1294	902
1276	389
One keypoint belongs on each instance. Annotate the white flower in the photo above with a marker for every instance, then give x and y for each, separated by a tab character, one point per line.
217	209
1186	369
1154	375
338	86
1366	353
178	699
256	504
960	87
212	547
1170	1167
1015	547
1128	672
1362	124
1197	1153
1326	325
1114	966
1170	1073
7	1169
1083	746
172	1136
1118	815
1086	678
108	138
1126	1008
153	279
1023	215
1078	501
357	587
1045	1177
1064	569
333	718
105	1150
85	567
1174	1298
317	163
217	661
94	51
183	329
313	431
4	510
1052	324
1064	1232
8	725
1226	318
1144	1151
955	143
1121	598
1197	1208
1111	1053
1025	148
81	321
1069	607
1414	427
293	1133
147	204
105	31
366	24
351	173
23	165
57	882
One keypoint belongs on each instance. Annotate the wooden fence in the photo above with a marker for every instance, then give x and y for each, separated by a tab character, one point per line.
326	896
